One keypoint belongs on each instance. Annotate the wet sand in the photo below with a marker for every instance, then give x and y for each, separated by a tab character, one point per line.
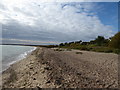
49	68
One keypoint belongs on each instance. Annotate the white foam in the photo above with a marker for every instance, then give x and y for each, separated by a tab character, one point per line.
22	56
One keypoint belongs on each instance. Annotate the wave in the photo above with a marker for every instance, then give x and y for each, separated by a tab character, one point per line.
22	56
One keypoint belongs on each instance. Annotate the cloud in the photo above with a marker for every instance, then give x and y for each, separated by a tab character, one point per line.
19	41
57	21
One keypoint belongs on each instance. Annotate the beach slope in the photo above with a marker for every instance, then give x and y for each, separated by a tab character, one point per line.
53	68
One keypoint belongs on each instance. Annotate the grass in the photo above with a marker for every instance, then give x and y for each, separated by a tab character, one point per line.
93	47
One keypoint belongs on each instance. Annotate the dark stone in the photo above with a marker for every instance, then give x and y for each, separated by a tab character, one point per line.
47	68
36	72
78	73
97	81
34	78
48	81
31	68
58	82
39	88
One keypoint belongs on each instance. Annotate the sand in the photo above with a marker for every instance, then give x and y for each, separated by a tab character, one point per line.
48	68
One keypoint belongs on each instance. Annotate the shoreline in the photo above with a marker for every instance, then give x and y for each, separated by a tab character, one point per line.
19	57
23	66
48	68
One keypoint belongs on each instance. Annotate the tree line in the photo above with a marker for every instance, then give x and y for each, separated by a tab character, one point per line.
112	42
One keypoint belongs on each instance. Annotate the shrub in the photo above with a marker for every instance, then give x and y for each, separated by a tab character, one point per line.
115	41
99	40
108	51
83	48
117	51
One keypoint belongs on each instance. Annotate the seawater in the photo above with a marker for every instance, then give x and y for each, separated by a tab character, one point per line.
11	54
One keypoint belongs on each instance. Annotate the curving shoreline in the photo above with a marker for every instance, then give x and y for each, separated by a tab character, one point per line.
13	54
48	68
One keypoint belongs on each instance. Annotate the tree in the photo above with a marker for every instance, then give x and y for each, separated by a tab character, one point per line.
106	42
61	44
78	41
99	40
67	44
92	42
115	41
71	42
84	43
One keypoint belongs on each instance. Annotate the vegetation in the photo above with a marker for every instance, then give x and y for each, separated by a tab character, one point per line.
115	41
100	44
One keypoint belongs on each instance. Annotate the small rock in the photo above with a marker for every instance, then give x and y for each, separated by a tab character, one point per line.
58	82
34	78
39	88
48	81
97	81
43	71
85	85
31	68
43	62
47	68
36	72
78	73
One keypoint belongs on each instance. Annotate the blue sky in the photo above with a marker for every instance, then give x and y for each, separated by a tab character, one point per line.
106	11
32	21
109	13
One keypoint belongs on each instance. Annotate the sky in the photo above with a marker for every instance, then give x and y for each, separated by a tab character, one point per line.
32	21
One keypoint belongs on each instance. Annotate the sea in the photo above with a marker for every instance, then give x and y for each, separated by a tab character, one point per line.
11	54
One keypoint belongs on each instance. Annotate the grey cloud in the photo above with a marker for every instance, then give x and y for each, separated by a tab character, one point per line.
53	22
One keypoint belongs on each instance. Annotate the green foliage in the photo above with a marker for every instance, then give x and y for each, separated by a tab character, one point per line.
99	40
83	47
84	43
51	46
106	42
61	44
117	51
100	44
78	41
92	42
115	41
102	49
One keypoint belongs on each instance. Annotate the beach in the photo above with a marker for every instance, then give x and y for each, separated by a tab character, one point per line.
52	68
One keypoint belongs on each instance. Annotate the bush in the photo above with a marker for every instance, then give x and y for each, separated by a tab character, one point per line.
115	41
108	51
103	49
99	40
117	51
52	46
